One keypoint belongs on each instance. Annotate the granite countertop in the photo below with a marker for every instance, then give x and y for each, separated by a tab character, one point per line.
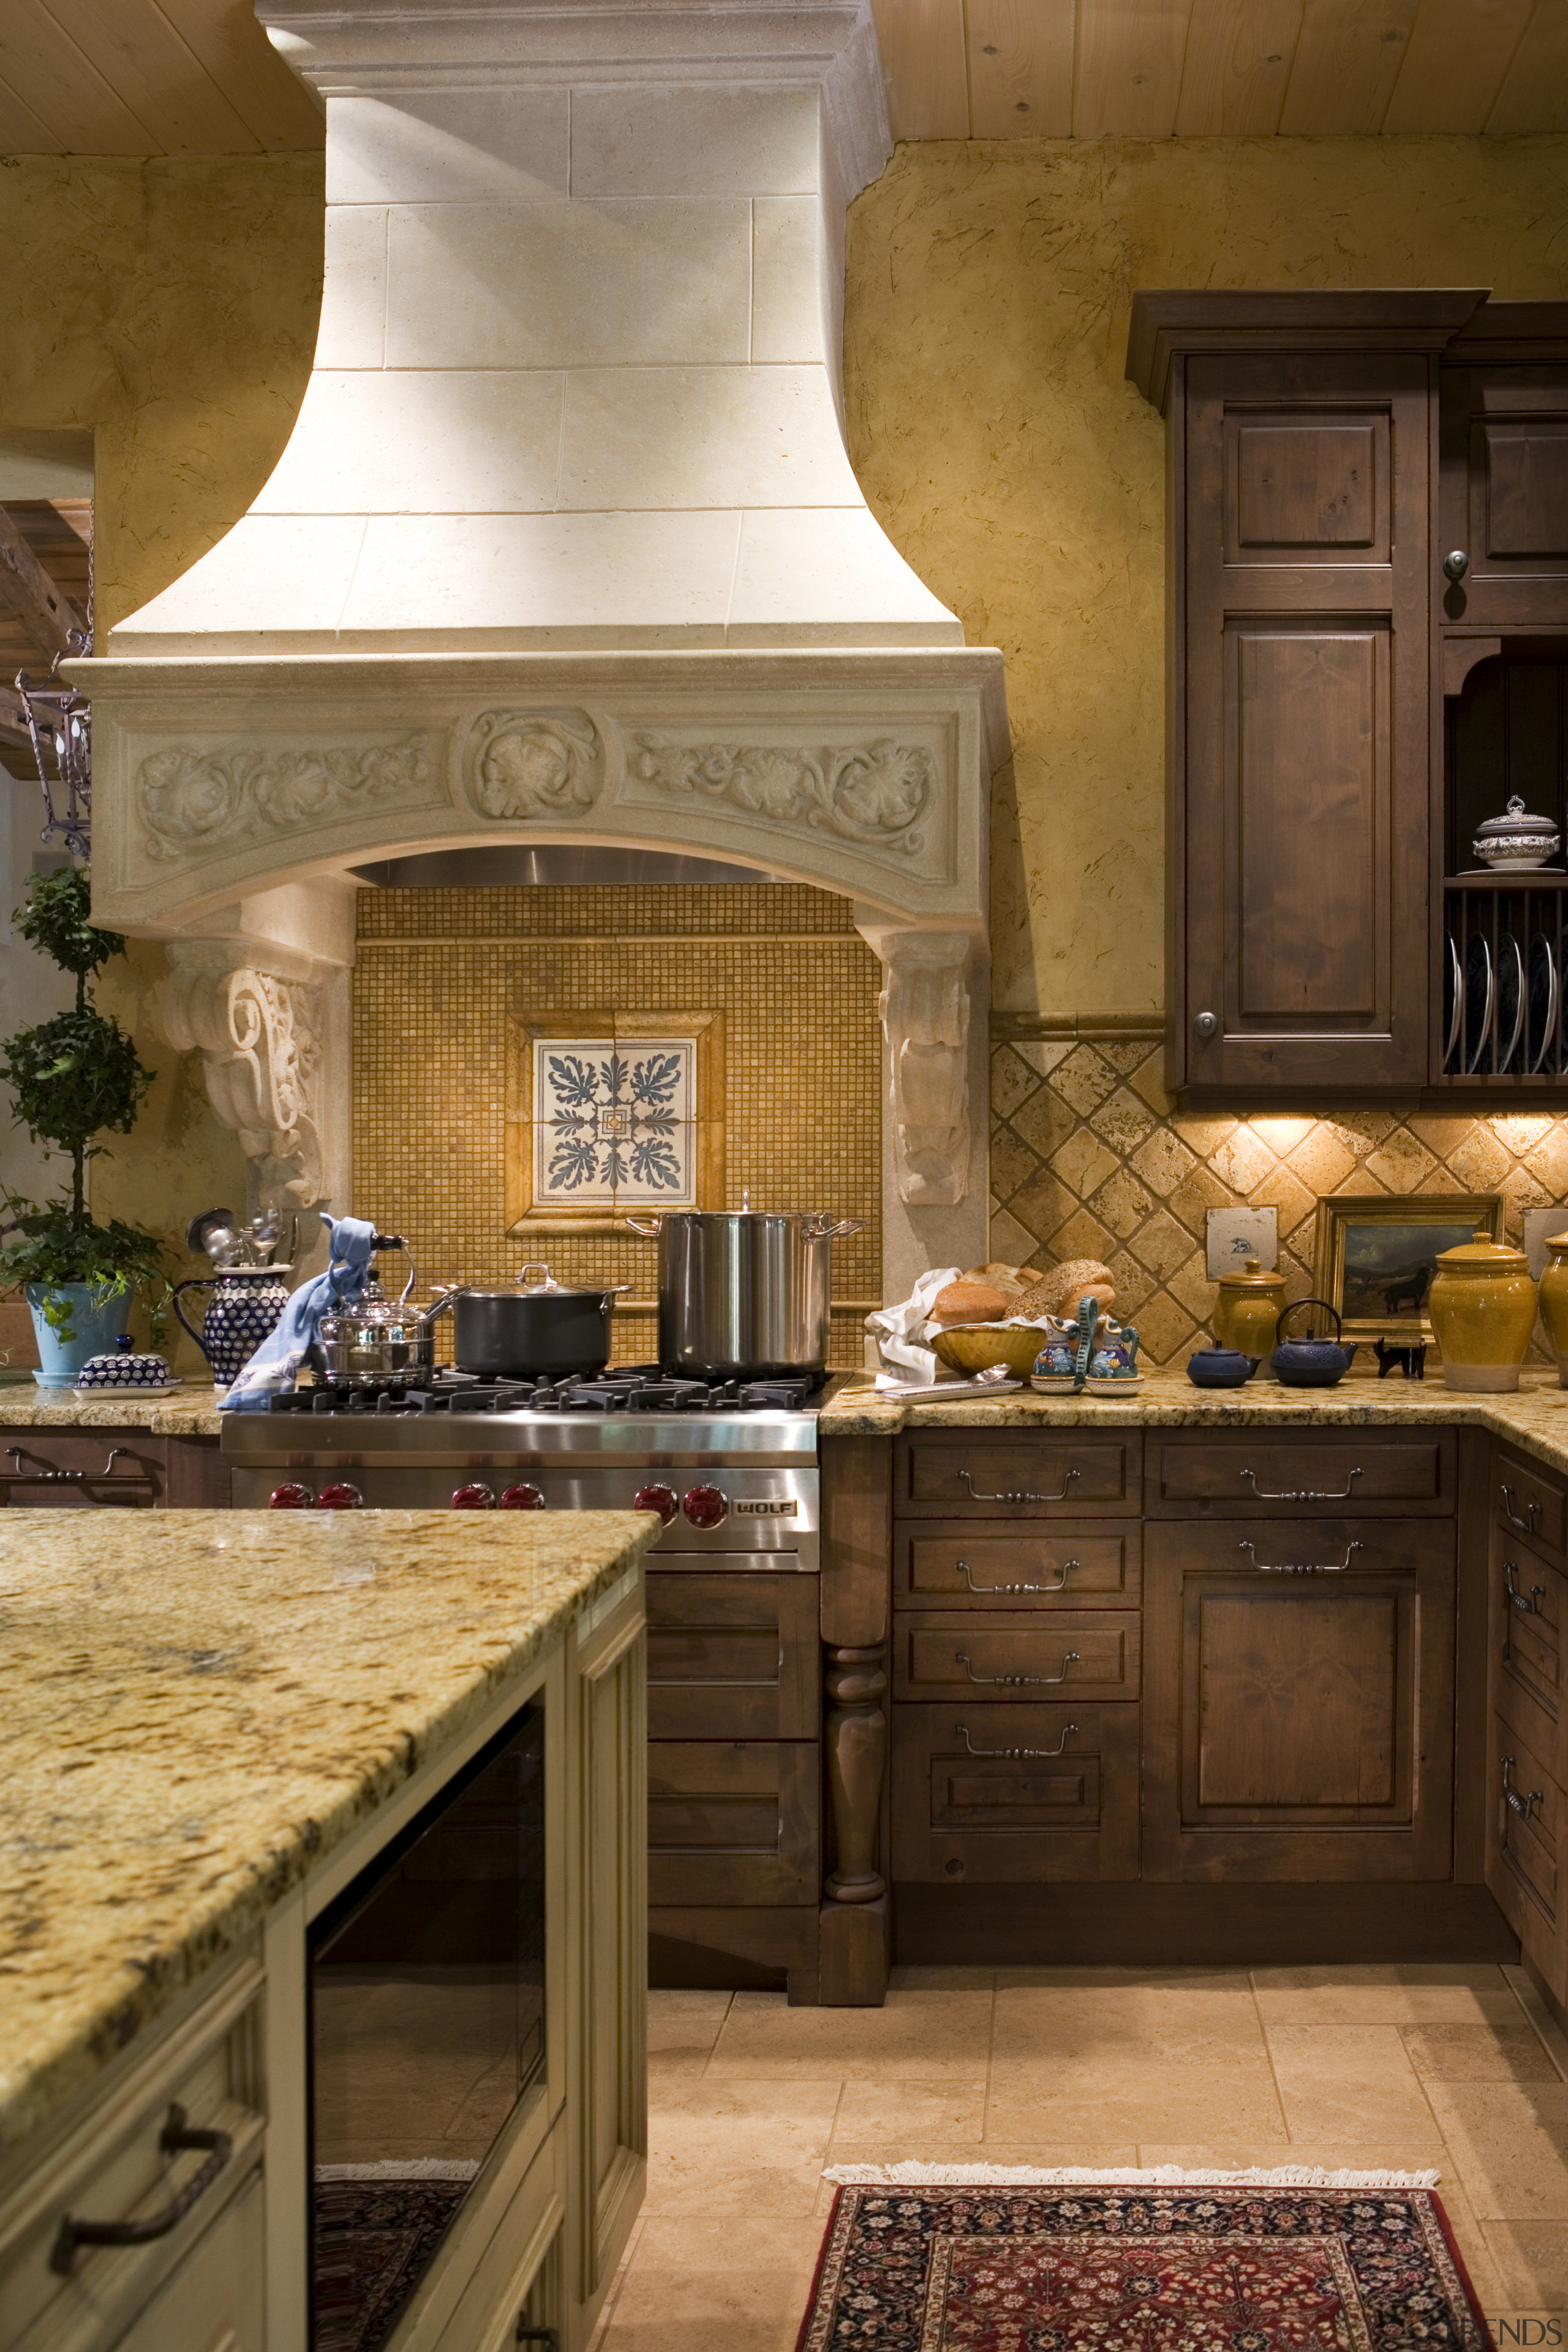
190	1412
1535	1417
202	1708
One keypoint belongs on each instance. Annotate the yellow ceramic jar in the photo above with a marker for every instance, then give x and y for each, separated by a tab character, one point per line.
1246	1309
1554	1303
1483	1307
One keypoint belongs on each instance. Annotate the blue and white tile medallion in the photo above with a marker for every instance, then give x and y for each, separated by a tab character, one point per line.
613	1122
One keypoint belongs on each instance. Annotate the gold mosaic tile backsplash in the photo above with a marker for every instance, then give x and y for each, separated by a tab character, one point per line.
440	971
1089	1158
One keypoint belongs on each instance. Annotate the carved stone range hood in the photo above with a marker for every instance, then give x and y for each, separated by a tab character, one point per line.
565	547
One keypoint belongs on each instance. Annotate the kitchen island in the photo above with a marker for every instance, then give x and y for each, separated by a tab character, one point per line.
215	1721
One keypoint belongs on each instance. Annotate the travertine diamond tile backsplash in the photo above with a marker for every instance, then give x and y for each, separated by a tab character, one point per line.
1089	1158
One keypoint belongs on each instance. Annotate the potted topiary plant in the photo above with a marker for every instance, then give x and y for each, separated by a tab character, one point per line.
73	1078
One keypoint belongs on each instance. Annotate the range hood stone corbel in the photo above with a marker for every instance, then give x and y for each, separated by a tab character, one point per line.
565	546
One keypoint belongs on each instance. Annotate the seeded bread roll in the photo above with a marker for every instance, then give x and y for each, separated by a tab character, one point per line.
964	1301
1060	1287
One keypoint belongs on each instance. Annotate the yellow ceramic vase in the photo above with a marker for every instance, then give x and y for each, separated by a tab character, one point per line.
1554	1303
1246	1309
1483	1307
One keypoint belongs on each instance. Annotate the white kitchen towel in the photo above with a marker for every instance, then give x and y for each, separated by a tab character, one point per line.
898	1330
276	1363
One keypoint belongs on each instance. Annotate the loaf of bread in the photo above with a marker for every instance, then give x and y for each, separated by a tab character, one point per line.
1010	1280
965	1301
1059	1288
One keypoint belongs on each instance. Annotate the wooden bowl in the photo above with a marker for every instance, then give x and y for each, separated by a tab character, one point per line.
974	1347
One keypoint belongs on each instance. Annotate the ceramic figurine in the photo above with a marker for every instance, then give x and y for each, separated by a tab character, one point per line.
1411	1360
1220	1368
1554	1303
1062	1365
1483	1308
1248	1308
1113	1369
1312	1362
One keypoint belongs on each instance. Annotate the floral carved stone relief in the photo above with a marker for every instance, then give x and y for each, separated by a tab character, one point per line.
259	1039
203	800
874	794
533	764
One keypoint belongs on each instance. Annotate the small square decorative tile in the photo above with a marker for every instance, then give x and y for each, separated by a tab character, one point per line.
613	1127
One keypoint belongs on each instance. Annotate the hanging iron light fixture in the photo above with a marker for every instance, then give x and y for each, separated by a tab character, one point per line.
60	724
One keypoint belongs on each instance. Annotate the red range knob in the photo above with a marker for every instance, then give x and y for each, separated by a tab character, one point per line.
290	1498
661	1499
523	1498
473	1498
705	1506
343	1498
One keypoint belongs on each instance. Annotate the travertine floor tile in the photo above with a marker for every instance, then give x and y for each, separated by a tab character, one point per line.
1532	2259
1225	2154
1137	2100
1143	2024
941	1979
1509	2141
1348	2083
890	2108
1453	1993
1478	2053
686	2021
1552	2037
736	2284
738	2147
1470	2237
1124	1980
936	2034
1046	2156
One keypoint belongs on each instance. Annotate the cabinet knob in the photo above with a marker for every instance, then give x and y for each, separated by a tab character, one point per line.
1206	1025
1455	566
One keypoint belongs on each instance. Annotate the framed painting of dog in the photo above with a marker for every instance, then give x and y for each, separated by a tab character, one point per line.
1376	1252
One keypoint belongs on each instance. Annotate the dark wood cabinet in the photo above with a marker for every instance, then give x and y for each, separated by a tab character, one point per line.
55	1467
1298	1700
1014	1795
1326	454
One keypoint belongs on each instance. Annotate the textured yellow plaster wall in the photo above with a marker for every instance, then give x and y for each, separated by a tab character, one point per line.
994	436
171	306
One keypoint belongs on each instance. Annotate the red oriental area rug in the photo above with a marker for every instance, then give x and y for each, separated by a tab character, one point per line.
1111	2268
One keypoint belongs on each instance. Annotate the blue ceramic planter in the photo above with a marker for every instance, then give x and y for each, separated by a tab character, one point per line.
95	1323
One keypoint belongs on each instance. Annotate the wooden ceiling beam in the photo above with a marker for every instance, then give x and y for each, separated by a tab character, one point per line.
152	71
27	590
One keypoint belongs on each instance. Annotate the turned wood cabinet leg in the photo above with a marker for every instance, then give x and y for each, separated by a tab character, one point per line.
856	1756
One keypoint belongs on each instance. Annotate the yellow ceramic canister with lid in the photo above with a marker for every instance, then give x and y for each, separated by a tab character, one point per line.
1554	1303
1247	1309
1483	1307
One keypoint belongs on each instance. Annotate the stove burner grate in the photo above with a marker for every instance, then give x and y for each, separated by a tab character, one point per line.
628	1388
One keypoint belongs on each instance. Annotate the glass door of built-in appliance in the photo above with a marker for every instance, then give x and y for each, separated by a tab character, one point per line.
427	2027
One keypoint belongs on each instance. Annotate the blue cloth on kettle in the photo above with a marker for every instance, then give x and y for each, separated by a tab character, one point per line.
276	1363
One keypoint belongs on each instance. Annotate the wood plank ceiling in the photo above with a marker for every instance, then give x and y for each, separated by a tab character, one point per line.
1193	69
199	77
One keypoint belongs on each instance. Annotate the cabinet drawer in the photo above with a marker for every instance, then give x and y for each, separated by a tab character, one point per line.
733	1820
1229	1473
115	2168
1529	1501
1526	1620
732	1658
82	1468
214	2302
981	1659
1526	1804
967	1473
952	1566
1014	1794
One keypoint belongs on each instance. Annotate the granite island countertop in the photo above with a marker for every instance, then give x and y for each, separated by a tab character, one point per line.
201	1709
1534	1417
188	1412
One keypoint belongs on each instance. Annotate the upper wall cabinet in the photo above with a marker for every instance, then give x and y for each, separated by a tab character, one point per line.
1306	625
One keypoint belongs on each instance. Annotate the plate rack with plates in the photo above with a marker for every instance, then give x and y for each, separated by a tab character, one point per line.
1503	972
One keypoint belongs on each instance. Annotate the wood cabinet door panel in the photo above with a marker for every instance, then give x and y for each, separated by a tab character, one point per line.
1529	1501
1525	1808
1526	1615
103	1468
1504	495
985	1659
964	1474
732	1656
1238	1473
1059	1568
1018	1795
733	1822
1304	501
1298	1713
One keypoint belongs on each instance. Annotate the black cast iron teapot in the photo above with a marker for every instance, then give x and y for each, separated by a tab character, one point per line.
1312	1362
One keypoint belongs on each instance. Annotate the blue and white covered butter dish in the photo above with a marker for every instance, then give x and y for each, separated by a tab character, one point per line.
125	1371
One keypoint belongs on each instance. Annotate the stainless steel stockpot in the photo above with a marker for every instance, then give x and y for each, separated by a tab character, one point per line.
743	1293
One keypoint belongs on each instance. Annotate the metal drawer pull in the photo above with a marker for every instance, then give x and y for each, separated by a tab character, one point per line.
1067	1567
1521	1801
1531	1519
1013	1755
1307	1493
1016	1681
46	1475
176	2135
1300	1567
1023	1496
1529	1604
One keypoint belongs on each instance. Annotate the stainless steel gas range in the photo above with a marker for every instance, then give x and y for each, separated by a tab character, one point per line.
731	1468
